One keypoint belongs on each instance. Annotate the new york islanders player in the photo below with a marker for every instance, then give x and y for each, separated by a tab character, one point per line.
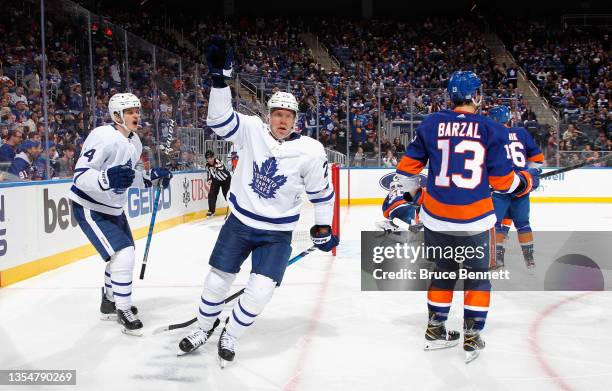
466	154
103	173
524	152
276	167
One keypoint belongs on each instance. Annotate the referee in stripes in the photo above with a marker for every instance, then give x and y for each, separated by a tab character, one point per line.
218	177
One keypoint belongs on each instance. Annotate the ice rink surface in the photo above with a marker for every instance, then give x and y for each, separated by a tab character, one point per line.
319	332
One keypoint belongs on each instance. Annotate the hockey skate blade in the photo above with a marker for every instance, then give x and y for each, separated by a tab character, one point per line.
222	363
107	317
133	333
471	356
437	344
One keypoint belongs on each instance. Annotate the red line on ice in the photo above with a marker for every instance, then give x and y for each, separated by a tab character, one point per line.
535	346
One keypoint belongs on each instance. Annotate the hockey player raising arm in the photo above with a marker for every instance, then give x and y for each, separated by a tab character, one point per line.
466	154
276	167
103	173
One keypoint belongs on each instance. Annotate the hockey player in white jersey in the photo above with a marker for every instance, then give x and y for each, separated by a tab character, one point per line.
103	173
276	167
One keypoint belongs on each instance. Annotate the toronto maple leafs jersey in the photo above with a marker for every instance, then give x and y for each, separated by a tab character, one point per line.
272	175
105	147
523	150
466	154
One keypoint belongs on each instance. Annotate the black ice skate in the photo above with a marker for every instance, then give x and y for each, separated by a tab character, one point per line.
499	257
210	213
197	338
131	324
472	342
437	337
227	348
108	309
528	257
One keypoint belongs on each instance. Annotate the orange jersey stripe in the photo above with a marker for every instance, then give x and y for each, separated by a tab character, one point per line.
458	212
437	295
539	158
392	206
501	182
507	222
410	165
477	298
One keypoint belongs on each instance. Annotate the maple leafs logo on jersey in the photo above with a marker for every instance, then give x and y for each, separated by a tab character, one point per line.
265	181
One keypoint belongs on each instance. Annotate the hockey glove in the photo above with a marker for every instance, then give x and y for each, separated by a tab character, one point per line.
417	200
323	238
158	175
530	180
220	59
117	177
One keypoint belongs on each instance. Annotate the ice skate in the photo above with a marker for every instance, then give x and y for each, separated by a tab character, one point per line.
227	349
528	258
195	339
131	324
472	342
499	258
437	337
108	309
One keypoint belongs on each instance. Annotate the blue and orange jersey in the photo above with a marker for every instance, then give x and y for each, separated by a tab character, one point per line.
466	154
522	149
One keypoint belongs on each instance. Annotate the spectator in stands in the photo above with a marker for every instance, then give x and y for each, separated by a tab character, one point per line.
48	155
390	161
23	164
359	158
398	146
8	150
65	164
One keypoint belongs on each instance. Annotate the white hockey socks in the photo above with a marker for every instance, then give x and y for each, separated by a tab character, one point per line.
216	285
121	271
108	287
257	294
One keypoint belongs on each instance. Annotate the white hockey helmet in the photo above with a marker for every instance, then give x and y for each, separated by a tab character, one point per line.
283	100
119	102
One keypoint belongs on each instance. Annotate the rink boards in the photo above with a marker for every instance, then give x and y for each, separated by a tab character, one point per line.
362	186
39	233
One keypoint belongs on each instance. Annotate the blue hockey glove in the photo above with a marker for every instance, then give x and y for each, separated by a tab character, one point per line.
158	175
117	177
323	238
530	180
220	59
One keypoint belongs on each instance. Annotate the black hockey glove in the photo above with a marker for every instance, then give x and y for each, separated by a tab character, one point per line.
220	59
323	238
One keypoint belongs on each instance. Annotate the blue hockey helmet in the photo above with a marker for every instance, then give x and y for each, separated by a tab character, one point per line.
463	86
500	114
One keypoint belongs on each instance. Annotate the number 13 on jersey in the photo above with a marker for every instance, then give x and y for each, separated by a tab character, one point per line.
473	165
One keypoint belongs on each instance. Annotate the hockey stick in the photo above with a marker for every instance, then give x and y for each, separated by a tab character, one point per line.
575	166
158	191
229	299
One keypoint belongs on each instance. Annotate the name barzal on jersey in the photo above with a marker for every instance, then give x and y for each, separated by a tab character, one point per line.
272	175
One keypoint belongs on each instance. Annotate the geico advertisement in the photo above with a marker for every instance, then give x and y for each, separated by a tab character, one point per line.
38	221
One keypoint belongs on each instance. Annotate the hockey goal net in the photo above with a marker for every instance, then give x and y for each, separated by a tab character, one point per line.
301	235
